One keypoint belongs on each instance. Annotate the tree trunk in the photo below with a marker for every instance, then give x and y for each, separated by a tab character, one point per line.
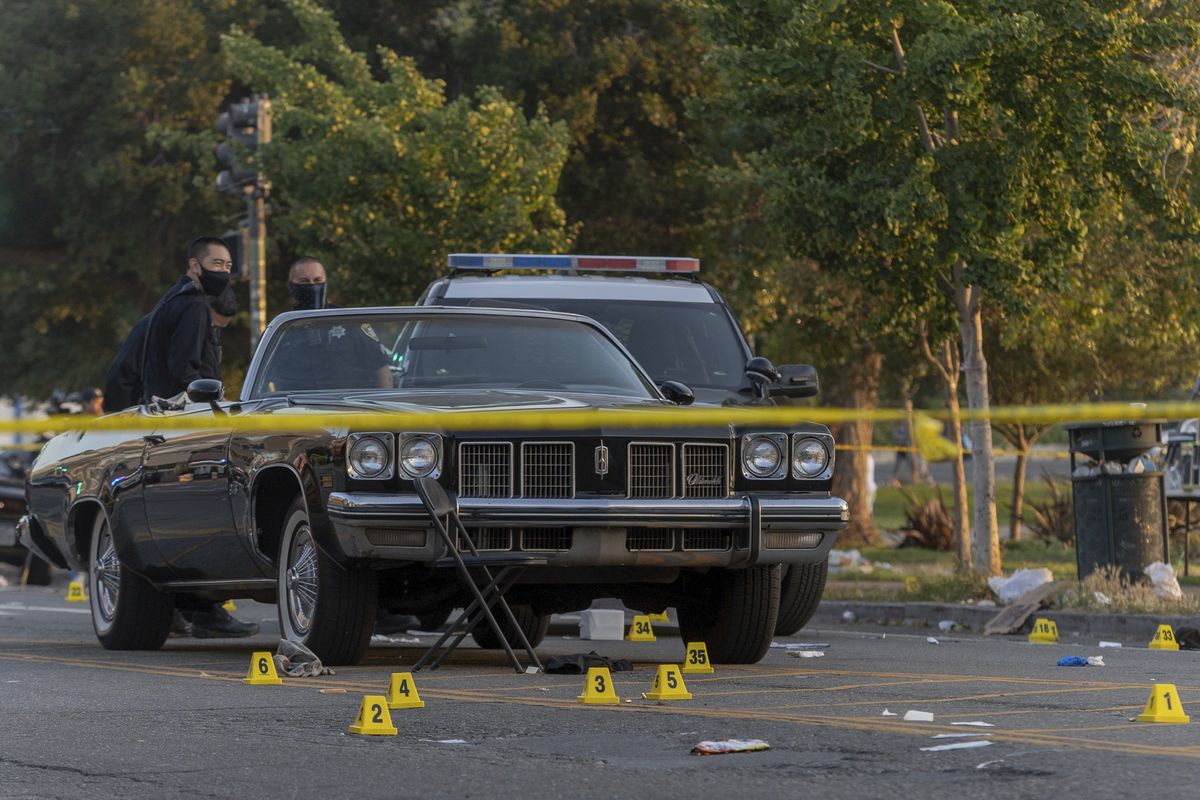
851	476
986	539
909	420
962	525
1018	495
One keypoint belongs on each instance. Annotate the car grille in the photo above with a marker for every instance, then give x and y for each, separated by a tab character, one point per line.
546	538
706	540
485	469
397	537
490	539
651	470
548	469
661	539
705	470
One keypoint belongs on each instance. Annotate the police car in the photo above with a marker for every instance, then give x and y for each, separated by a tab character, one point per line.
678	327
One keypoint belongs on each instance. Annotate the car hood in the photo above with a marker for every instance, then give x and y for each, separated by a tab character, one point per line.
423	401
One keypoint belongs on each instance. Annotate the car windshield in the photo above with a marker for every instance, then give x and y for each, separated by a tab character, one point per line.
444	351
694	343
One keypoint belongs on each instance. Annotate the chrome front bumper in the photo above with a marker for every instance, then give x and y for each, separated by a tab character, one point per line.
761	527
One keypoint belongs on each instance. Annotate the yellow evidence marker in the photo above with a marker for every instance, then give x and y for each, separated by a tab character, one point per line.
668	685
695	659
1163	705
402	692
1045	631
229	606
1164	639
659	617
373	718
262	670
598	688
640	630
75	593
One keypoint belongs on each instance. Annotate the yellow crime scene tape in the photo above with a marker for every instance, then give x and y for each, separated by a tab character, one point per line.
928	438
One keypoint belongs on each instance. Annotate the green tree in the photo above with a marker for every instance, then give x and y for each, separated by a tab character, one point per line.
96	211
1041	112
380	176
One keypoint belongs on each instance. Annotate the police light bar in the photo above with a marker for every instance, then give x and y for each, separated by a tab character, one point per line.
601	263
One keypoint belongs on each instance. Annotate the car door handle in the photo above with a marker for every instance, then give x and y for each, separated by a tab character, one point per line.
154	438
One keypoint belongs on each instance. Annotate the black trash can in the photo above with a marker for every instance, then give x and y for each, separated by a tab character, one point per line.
1120	516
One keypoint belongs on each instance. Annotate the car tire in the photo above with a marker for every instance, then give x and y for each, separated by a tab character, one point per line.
128	613
325	606
36	572
735	615
534	626
800	591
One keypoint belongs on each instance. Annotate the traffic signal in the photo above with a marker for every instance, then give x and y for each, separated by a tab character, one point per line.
246	126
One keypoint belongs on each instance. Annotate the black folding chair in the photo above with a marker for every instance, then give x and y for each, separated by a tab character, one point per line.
474	570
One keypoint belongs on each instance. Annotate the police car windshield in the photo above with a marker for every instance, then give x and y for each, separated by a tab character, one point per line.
695	343
445	351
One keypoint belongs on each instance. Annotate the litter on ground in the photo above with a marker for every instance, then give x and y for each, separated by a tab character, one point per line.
801	645
722	746
1110	644
887	713
975	724
806	653
932	640
955	746
918	716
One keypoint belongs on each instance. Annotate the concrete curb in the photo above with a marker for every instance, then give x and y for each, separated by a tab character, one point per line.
1132	627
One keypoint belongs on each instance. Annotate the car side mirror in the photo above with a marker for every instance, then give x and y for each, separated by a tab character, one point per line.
761	371
677	393
206	390
796	380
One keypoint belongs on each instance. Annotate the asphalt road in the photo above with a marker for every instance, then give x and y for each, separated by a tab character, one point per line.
79	721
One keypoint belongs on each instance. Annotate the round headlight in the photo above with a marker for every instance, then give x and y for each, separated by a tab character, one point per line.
809	458
418	456
761	457
368	457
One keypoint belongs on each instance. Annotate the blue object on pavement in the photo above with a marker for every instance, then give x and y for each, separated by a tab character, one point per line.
1072	661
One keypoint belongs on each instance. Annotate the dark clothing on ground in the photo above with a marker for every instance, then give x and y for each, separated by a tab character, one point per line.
175	344
123	381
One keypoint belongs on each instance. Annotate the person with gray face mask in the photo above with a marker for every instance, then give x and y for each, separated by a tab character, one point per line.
307	284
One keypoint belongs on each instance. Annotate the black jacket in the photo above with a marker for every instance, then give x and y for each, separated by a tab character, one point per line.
175	343
123	381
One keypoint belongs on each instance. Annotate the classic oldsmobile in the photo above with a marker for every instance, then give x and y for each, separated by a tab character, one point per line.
323	519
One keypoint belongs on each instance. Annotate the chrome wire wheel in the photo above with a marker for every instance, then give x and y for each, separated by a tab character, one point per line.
302	580
105	577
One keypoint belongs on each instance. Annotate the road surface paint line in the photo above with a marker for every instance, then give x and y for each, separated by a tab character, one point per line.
52	609
962	698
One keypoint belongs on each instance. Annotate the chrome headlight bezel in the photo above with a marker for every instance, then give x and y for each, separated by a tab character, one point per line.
410	439
779	441
362	440
823	440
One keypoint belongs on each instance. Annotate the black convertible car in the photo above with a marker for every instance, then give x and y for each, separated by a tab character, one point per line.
322	517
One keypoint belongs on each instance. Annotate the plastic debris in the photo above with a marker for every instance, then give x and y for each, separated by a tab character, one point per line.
722	746
849	616
297	661
1166	585
1102	598
956	746
1072	661
1110	644
918	716
1095	661
975	724
1010	589
946	625
379	638
848	559
931	640
887	713
806	653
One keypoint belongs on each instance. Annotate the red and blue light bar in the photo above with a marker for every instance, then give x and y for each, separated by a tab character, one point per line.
597	263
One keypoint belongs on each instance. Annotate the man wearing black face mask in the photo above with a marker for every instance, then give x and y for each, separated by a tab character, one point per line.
359	358
180	325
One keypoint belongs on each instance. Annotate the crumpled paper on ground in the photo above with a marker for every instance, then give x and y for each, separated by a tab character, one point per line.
297	661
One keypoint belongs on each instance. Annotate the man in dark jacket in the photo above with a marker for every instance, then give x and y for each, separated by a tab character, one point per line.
180	324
